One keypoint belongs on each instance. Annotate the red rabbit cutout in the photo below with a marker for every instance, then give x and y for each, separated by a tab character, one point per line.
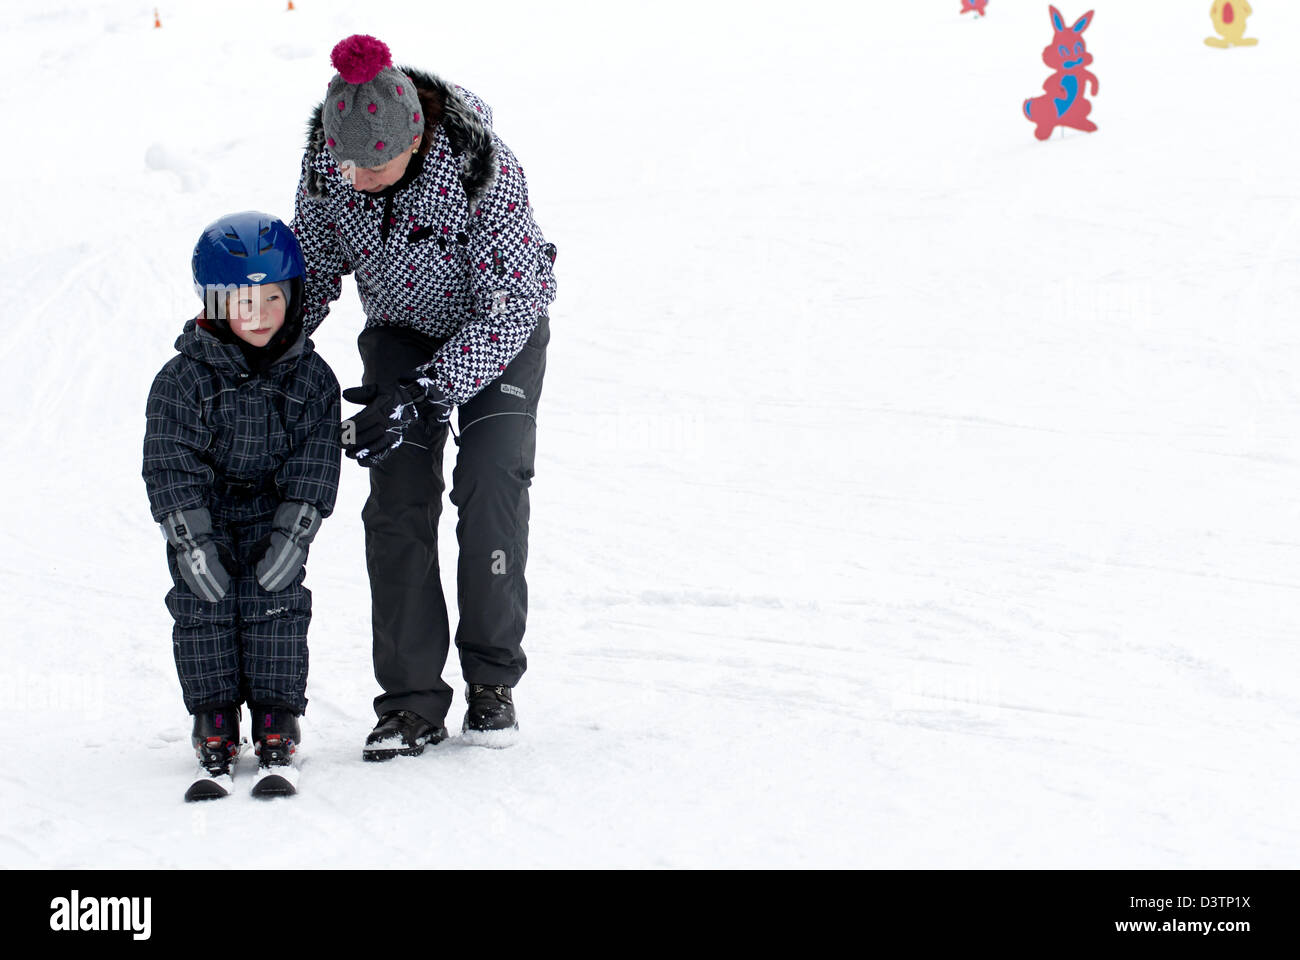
1065	104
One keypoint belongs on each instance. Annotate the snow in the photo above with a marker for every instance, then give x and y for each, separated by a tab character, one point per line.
910	493
491	739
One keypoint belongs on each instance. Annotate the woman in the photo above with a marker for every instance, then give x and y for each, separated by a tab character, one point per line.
406	186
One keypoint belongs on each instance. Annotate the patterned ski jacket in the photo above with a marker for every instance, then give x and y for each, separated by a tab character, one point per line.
237	442
452	250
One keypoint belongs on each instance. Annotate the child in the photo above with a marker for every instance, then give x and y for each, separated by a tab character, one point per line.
241	461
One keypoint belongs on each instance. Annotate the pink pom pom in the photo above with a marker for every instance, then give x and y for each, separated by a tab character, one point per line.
359	58
331	141
372	108
399	89
416	118
379	145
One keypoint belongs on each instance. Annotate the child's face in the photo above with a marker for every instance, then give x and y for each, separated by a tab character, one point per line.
256	312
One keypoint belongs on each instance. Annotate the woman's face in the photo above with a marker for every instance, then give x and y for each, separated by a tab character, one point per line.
375	179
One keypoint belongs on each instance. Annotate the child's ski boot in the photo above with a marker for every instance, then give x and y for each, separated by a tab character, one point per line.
275	739
216	743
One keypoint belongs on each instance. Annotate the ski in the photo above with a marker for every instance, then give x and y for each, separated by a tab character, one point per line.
210	787
216	777
276	782
277	774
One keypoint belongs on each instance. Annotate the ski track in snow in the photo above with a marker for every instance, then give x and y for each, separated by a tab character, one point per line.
909	493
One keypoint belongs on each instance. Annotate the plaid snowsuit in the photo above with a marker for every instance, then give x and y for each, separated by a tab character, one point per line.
240	443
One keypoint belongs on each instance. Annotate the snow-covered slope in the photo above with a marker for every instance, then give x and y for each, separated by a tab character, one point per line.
910	492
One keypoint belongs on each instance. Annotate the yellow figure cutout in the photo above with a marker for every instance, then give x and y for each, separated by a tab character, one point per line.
1229	18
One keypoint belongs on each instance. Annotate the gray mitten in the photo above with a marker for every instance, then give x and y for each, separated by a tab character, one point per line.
293	528
190	533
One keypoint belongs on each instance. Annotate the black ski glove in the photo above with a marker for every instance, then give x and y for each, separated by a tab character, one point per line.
197	554
292	531
372	435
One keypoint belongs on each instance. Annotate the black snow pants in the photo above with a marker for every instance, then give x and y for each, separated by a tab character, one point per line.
490	481
250	645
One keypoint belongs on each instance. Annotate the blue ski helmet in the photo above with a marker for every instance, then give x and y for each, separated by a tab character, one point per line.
246	248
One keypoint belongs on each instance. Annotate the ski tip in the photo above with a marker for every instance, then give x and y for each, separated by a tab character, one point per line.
273	785
205	790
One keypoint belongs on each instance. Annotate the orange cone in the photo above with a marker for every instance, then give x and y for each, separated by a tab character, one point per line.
156	22
290	4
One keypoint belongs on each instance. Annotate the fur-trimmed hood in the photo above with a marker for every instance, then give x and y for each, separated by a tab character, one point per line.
468	129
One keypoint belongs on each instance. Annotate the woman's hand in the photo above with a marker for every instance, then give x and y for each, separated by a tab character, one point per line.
372	435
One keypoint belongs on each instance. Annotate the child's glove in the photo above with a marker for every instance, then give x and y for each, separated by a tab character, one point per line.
190	533
374	433
292	530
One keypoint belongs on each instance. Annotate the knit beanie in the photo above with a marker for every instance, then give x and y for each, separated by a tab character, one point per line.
371	111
